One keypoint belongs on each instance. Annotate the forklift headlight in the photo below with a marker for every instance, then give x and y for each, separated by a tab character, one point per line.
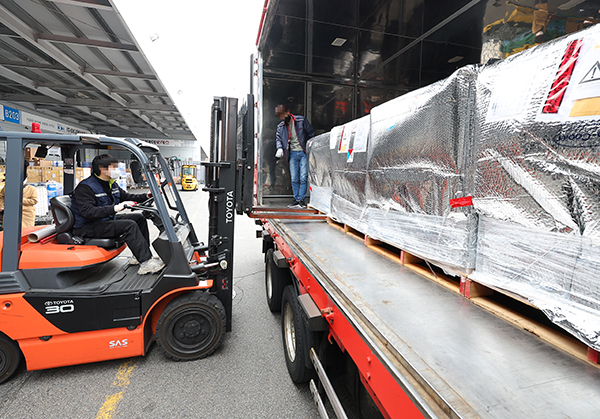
223	264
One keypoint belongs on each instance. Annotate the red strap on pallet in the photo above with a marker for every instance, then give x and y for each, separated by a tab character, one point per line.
465	201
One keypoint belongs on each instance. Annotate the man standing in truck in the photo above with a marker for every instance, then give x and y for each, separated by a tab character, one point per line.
293	132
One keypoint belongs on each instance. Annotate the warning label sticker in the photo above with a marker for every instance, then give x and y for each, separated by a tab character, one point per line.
593	74
575	90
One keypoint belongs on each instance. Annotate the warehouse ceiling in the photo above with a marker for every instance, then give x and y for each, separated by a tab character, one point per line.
77	60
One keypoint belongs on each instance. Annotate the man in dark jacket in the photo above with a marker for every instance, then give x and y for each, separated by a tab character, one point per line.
97	200
293	132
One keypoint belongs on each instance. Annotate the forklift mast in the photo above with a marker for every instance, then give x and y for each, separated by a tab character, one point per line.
245	157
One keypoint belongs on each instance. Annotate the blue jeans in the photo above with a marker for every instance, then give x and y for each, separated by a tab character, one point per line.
299	174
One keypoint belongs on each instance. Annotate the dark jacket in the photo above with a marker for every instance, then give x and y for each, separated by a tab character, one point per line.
94	200
304	130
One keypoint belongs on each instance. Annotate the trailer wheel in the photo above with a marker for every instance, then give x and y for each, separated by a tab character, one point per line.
296	338
191	326
10	357
276	279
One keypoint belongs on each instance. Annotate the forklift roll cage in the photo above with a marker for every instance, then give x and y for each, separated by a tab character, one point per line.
147	154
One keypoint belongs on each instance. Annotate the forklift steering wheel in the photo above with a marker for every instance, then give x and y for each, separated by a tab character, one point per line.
147	202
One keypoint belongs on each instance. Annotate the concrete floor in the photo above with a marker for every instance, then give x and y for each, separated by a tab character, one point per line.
245	378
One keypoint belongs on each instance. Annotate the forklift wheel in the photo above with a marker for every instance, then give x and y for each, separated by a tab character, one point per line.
276	279
192	326
10	357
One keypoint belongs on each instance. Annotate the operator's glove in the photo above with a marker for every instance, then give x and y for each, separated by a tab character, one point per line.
120	207
279	153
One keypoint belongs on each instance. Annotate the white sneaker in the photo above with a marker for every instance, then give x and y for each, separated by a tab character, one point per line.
151	266
133	261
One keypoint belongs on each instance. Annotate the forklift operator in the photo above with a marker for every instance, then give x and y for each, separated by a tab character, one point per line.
97	200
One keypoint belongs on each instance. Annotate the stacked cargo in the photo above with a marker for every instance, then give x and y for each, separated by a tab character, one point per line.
319	172
48	177
419	160
537	188
349	145
492	173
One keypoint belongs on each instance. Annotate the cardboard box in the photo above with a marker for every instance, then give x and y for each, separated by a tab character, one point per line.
30	152
45	163
34	175
52	173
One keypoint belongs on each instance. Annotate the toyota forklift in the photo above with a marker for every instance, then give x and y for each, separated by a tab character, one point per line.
67	300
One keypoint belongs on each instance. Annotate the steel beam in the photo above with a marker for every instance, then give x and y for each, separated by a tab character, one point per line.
67	87
8	32
90	4
82	102
32	64
140	93
84	41
87	70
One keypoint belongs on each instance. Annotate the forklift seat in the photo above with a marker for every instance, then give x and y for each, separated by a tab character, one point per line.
64	220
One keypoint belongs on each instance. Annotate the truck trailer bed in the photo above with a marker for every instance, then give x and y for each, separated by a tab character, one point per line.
451	357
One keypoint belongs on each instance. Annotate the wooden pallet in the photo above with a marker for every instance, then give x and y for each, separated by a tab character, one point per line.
482	295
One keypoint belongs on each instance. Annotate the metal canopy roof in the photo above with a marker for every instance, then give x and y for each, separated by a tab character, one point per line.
77	60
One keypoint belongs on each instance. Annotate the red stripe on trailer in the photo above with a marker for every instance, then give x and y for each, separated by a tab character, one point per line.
383	388
262	21
561	82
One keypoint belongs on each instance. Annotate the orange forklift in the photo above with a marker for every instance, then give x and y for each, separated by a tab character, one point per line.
66	300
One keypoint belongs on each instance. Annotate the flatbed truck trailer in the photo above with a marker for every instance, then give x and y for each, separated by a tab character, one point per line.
411	342
420	349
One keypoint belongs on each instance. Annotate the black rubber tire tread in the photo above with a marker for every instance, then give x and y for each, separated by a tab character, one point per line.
199	305
299	371
10	357
280	278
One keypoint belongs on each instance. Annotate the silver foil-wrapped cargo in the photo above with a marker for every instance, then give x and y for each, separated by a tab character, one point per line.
420	158
538	179
520	140
349	144
319	172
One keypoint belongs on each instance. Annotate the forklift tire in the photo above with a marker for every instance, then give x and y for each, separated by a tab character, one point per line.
10	357
191	326
276	279
297	339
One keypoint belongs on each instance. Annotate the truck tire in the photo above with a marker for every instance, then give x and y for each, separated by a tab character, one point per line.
276	279
297	339
10	357
191	326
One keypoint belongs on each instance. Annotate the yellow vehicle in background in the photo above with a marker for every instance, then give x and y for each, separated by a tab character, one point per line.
189	179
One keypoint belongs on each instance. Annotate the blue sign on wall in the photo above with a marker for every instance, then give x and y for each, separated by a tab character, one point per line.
12	115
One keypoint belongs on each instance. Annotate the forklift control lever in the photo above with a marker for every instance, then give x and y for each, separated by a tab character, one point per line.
199	267
201	248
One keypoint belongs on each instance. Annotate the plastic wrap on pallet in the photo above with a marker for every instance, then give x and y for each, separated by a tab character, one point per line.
538	179
349	144
420	158
319	172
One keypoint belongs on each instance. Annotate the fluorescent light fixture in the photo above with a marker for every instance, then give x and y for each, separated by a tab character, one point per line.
455	59
338	42
154	37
